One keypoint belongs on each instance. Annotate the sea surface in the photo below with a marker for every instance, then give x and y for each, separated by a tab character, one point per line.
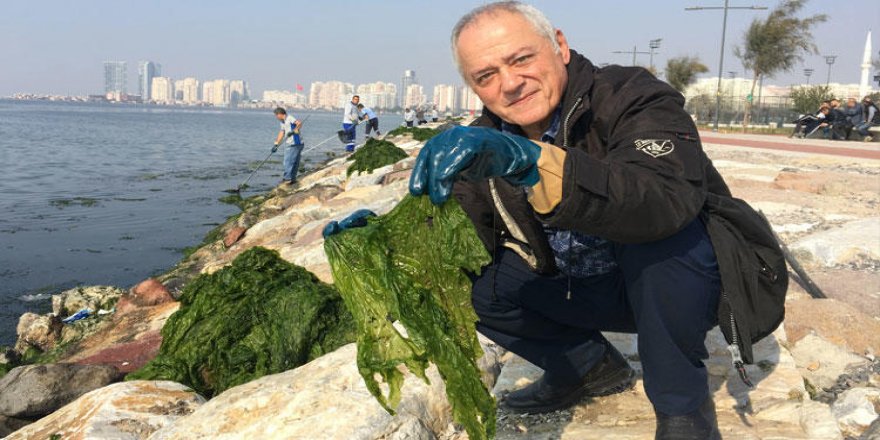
111	194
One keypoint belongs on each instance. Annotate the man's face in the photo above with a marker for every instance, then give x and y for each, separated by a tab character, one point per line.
513	69
835	103
280	116
356	99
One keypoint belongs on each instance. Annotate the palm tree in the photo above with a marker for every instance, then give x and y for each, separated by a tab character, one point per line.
776	44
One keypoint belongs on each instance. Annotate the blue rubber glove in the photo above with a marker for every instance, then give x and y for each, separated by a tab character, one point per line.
357	219
472	153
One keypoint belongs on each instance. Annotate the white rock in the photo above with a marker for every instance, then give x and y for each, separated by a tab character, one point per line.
820	361
818	422
92	297
324	399
855	409
357	180
850	242
123	411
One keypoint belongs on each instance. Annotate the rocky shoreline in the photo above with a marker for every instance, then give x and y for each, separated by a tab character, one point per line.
816	377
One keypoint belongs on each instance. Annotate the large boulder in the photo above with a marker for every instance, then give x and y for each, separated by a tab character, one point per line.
93	298
324	399
856	409
147	293
821	362
122	411
851	243
32	391
41	332
834	321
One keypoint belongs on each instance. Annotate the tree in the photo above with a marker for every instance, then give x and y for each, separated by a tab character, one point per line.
682	71
807	99
776	44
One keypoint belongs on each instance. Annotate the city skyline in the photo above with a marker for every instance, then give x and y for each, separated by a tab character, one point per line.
59	46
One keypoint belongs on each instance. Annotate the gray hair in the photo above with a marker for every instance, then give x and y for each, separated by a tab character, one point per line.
537	19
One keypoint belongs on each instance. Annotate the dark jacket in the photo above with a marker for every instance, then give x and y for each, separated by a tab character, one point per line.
634	172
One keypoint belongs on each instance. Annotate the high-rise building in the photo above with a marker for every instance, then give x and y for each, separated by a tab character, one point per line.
162	90
238	92
408	79
378	95
147	70
414	96
446	98
115	79
330	94
469	101
188	89
216	92
285	97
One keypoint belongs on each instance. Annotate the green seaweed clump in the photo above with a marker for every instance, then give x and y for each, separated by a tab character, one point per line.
418	133
374	154
410	265
259	316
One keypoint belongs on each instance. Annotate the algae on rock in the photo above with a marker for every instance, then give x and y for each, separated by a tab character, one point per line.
259	316
410	265
418	133
374	154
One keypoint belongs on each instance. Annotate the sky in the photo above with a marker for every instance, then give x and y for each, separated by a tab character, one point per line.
58	47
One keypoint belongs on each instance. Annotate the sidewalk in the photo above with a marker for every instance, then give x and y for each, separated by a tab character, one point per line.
863	150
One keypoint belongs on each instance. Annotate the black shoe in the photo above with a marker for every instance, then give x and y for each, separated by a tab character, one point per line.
611	376
698	425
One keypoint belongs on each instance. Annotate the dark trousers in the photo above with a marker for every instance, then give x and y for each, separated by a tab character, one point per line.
666	291
373	125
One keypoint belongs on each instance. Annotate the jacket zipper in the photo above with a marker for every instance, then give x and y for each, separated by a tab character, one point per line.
733	348
567	119
565	145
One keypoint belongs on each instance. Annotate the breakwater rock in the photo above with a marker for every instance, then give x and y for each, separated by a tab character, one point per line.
816	377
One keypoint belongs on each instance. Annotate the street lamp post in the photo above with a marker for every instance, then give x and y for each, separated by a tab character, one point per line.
721	58
634	51
808	73
654	44
829	60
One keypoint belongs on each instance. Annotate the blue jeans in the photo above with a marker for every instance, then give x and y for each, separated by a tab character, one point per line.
863	128
666	291
350	134
291	161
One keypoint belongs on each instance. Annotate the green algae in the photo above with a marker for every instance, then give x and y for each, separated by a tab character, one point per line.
417	133
410	265
259	316
374	154
87	202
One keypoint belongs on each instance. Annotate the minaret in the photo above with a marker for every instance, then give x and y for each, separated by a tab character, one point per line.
864	88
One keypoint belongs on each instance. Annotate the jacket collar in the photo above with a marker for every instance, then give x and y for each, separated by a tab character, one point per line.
575	100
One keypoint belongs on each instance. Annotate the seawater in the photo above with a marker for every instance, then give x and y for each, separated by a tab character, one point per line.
111	194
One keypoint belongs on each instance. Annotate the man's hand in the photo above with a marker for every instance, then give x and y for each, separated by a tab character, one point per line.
357	219
274	147
472	153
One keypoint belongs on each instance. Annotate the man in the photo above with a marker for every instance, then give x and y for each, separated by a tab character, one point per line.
420	116
611	232
853	113
835	122
350	117
290	130
409	117
590	189
870	116
372	120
